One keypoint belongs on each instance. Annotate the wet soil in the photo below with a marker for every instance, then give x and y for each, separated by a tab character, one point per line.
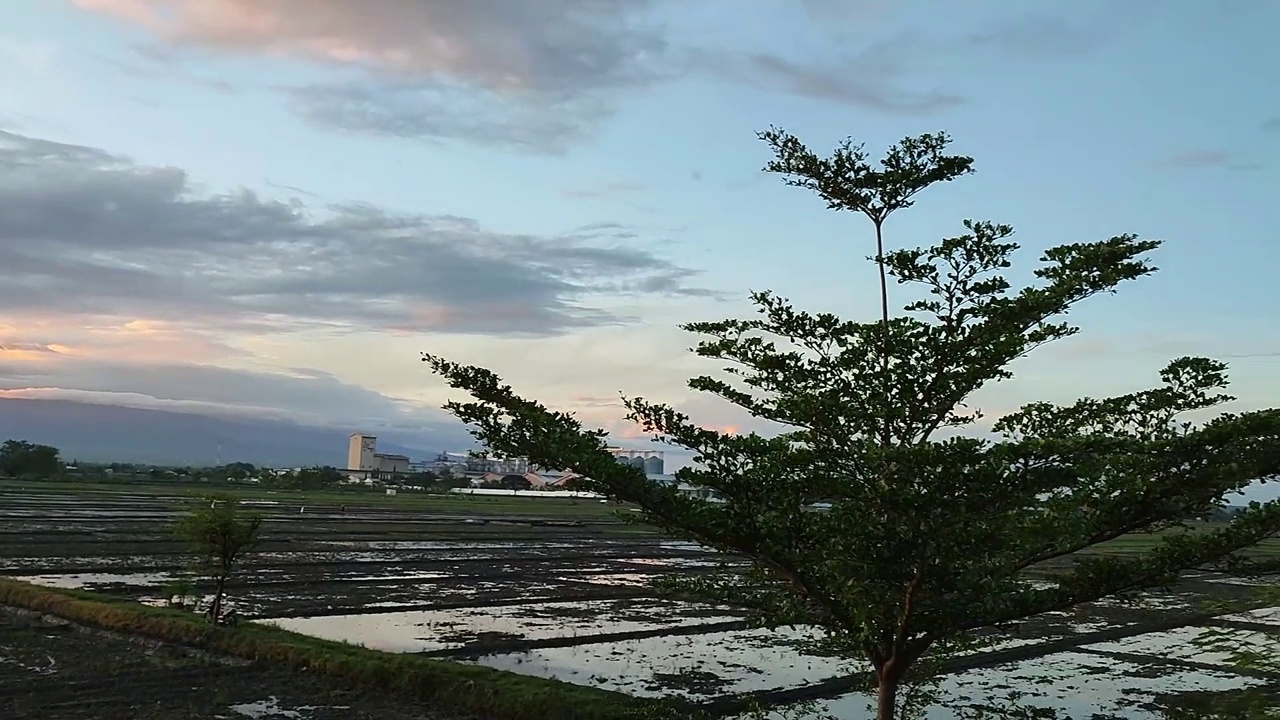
366	562
46	674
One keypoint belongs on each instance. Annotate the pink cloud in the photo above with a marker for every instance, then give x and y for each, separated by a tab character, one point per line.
496	45
65	338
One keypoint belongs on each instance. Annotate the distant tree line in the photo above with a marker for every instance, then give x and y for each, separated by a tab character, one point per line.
19	458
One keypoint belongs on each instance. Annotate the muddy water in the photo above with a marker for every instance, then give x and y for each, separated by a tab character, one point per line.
388	560
1076	685
417	631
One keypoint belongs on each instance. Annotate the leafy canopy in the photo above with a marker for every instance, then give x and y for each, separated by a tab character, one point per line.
19	457
923	534
221	536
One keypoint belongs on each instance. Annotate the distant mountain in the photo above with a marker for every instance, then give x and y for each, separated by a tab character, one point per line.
110	433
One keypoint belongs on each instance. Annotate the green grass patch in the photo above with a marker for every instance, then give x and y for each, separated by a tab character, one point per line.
469	690
453	503
1142	542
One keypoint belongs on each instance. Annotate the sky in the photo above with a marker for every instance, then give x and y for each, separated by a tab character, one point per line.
271	207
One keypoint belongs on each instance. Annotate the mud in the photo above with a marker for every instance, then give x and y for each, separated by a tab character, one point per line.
571	601
45	674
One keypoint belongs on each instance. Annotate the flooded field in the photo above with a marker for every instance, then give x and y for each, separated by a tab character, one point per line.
46	673
536	595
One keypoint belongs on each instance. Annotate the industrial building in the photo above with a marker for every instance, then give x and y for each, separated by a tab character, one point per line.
363	457
650	461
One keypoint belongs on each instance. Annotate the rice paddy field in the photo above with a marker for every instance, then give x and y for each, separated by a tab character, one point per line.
556	588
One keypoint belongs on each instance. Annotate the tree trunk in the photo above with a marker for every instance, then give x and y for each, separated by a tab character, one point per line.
886	699
887	676
220	588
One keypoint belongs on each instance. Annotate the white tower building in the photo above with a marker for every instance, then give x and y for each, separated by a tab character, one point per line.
361	452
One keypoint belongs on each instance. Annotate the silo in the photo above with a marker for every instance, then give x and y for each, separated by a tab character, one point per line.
636	461
653	465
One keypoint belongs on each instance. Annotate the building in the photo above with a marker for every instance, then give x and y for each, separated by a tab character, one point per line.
650	461
362	452
394	464
363	456
501	466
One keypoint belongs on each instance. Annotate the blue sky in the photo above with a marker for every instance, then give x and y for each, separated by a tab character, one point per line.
632	126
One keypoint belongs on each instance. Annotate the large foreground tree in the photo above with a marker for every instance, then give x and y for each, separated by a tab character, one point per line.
867	514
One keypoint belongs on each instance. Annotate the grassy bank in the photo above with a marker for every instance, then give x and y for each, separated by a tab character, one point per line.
1143	542
467	690
452	503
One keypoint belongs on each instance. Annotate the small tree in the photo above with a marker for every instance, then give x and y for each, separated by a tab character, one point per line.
868	515
221	536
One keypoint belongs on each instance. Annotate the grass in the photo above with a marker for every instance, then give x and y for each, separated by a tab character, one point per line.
469	690
1142	542
462	504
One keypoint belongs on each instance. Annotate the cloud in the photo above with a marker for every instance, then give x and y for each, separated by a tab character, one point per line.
526	75
155	66
74	337
1272	125
539	77
437	112
842	11
867	80
87	233
883	75
310	397
1196	159
602	190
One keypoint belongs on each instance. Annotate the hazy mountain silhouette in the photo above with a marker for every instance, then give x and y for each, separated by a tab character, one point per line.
110	433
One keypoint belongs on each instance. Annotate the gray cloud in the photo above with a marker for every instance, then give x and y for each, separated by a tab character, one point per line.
27	347
1272	125
541	76
868	80
431	111
884	74
153	65
602	190
311	397
83	231
530	76
1199	159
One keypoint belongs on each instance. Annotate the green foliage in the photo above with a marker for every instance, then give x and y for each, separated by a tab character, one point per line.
179	590
221	536
924	533
310	478
19	458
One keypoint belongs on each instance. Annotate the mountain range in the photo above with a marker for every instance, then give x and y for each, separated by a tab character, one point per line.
95	432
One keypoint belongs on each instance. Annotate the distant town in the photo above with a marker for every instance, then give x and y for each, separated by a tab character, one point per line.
366	469
365	463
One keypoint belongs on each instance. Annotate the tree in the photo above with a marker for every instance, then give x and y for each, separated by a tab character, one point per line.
221	536
19	457
925	533
451	482
310	478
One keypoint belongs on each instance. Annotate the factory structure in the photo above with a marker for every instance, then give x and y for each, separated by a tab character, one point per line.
364	462
650	461
364	459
